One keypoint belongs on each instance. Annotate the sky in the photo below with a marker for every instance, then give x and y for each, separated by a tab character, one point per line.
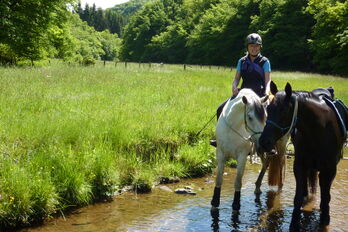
102	3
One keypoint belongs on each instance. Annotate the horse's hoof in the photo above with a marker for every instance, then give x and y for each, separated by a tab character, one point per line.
294	227
324	220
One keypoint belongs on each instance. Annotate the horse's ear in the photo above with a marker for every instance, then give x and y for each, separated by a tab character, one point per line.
245	100
288	91
264	99
274	88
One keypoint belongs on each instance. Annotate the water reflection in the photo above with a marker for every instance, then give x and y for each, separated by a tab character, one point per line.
261	215
164	211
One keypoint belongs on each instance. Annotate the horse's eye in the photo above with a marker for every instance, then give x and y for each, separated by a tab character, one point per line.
250	118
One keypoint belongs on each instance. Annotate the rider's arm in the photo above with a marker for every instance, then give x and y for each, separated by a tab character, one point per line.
235	84
267	70
236	80
267	82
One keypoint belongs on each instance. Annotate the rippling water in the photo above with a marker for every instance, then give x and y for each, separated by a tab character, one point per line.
166	211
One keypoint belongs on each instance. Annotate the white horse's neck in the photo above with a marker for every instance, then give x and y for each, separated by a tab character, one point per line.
234	113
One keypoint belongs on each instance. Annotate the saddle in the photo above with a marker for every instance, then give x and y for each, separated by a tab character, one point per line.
341	111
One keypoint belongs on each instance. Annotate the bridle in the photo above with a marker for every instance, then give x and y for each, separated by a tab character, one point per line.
293	121
247	128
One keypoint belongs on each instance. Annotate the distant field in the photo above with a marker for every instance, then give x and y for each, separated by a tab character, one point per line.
70	135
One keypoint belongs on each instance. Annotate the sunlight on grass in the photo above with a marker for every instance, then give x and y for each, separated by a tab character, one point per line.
70	135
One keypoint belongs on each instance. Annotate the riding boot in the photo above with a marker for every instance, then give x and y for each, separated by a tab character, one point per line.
213	142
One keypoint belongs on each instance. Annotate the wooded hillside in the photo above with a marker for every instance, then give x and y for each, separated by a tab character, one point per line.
304	35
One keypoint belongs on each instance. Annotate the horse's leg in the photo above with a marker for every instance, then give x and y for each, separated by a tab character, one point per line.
305	190
325	181
300	177
238	181
265	163
215	202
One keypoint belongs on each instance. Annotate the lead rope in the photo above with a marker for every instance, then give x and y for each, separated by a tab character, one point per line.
206	124
294	116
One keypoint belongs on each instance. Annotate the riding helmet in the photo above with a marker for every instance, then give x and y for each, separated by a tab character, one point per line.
253	38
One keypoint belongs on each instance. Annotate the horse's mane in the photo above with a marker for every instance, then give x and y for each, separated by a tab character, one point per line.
257	106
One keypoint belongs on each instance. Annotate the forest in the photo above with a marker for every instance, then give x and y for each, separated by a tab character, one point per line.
298	35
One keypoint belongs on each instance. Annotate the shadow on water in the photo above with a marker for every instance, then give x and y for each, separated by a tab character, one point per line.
167	211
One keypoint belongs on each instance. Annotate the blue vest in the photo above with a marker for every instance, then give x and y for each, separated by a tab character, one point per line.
253	75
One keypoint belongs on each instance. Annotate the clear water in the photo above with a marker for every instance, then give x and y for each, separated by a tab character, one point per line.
166	211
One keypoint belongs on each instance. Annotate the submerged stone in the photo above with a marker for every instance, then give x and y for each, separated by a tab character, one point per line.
185	191
164	188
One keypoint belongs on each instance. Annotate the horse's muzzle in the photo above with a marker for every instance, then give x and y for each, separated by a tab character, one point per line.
266	145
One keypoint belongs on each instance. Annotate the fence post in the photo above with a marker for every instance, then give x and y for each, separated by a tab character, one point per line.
184	66
125	64
104	63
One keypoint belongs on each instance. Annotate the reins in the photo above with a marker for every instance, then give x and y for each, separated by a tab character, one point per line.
206	124
246	128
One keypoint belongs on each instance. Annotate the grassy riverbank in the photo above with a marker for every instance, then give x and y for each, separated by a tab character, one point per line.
70	135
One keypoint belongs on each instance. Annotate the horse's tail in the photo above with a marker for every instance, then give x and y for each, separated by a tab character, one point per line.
312	181
276	170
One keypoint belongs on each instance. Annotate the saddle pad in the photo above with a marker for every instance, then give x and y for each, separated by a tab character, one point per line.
341	112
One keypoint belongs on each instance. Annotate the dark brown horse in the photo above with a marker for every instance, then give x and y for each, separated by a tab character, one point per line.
317	139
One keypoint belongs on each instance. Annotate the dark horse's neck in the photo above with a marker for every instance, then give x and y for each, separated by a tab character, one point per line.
310	108
317	124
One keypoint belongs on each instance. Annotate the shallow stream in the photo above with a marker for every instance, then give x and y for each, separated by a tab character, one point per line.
166	211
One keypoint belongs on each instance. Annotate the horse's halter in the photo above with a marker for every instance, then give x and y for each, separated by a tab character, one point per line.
247	126
293	121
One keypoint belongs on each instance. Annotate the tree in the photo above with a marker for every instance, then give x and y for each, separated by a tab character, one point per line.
285	29
24	24
330	35
219	36
150	21
110	44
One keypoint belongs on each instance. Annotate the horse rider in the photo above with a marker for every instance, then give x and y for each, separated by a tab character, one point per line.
254	69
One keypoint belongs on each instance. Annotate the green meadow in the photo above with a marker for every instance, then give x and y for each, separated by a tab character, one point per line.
72	135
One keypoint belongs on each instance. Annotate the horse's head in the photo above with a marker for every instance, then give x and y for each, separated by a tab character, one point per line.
280	117
255	115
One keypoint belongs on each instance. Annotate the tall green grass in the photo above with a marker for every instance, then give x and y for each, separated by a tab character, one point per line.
70	135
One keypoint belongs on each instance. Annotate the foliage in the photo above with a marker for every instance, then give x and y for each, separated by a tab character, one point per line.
297	34
24	24
102	19
219	36
148	22
129	8
329	43
284	27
